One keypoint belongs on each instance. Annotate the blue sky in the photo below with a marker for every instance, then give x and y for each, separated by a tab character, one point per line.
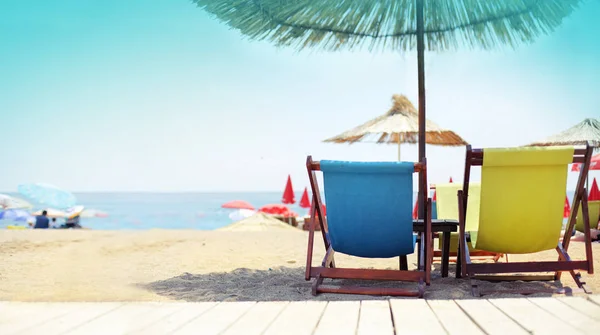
154	95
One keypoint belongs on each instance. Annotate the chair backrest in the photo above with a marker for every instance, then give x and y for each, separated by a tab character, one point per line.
369	207
594	213
447	203
522	198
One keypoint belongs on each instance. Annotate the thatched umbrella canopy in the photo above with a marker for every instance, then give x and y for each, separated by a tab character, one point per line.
585	132
399	125
393	25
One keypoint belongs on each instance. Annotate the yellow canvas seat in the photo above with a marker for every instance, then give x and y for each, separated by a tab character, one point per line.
521	209
594	212
447	208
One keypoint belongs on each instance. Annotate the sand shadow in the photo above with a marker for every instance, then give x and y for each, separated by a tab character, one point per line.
288	284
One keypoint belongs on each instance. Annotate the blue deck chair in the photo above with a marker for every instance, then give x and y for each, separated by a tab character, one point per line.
369	214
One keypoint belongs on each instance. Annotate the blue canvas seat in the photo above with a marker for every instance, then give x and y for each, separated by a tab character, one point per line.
369	207
369	214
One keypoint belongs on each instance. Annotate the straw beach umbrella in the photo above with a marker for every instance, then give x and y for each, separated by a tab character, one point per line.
399	125
394	25
585	132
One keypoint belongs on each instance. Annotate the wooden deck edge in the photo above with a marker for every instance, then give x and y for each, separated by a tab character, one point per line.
594	298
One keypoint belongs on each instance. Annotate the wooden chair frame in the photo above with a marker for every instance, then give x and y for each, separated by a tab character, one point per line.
482	271
328	267
477	255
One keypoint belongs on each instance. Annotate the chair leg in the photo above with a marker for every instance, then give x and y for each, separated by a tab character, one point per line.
403	263
315	286
474	288
421	288
563	255
328	260
445	253
581	284
420	242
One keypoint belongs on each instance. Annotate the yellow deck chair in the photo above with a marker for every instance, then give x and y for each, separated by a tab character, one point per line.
521	212
447	209
594	213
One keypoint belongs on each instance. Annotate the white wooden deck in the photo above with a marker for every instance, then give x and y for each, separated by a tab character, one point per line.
565	315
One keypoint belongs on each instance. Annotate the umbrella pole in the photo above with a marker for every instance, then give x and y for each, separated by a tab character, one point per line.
421	77
399	150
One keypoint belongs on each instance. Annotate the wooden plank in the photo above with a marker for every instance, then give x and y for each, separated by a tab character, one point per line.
257	319
30	315
583	306
569	315
489	318
170	323
297	318
375	318
339	317
81	314
454	320
216	319
533	318
117	321
595	299
414	316
22	309
157	312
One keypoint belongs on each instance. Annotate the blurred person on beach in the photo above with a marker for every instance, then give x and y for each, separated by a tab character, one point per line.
73	222
594	234
41	221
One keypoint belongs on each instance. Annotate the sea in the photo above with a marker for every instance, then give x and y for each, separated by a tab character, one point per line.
141	211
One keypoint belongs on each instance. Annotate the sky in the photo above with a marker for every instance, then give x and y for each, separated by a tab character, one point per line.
157	96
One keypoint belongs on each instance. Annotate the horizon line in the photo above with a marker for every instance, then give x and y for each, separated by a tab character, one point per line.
180	192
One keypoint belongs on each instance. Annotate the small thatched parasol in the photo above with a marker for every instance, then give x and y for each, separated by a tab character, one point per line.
399	125
585	132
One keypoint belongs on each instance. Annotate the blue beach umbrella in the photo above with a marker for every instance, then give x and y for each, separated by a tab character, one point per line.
49	195
16	215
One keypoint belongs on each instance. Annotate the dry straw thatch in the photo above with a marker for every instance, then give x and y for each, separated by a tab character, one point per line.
399	125
586	131
391	24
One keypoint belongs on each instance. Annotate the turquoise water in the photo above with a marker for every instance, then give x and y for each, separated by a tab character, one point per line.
139	211
168	210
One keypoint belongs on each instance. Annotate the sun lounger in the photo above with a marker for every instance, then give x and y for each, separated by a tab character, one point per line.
369	214
447	208
521	212
594	214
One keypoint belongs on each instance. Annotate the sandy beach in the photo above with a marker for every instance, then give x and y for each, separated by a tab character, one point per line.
186	265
